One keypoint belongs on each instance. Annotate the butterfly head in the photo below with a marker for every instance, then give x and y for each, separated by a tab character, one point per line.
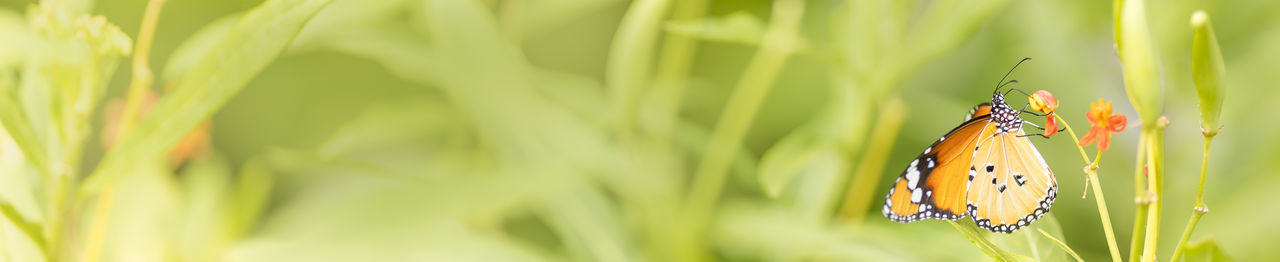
1005	117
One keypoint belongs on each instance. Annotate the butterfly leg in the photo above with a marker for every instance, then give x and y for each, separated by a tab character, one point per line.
1041	134
1041	128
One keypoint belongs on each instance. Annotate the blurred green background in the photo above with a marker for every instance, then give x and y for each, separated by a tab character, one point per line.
490	130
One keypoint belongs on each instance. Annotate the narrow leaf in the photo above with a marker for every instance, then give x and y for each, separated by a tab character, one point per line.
252	43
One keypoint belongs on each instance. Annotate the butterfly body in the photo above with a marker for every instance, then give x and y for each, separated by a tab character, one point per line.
986	168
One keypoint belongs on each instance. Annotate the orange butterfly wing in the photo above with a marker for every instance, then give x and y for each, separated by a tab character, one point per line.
1012	185
982	109
935	184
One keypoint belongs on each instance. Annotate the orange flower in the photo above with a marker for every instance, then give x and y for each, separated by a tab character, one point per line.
1104	123
1043	102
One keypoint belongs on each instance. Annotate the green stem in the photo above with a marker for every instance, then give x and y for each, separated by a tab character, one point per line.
1106	216
142	81
776	47
1091	170
674	63
1200	208
1060	244
1140	213
867	175
1155	158
630	59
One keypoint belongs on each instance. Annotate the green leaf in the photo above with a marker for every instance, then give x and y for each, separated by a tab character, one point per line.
144	216
943	26
33	231
253	42
194	48
1028	242
18	126
250	196
979	237
589	225
203	228
782	163
1205	250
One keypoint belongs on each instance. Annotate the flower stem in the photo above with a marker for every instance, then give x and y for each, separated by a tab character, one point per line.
674	63
1200	208
776	47
630	58
138	87
1091	170
867	174
1140	213
1155	160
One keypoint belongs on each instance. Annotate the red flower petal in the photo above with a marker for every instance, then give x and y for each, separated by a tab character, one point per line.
1117	122
1104	141
1050	125
1088	138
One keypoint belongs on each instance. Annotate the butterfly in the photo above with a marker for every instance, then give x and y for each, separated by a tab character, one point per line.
985	168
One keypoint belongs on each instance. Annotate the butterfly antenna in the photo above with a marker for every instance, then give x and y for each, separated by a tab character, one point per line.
1011	81
1002	83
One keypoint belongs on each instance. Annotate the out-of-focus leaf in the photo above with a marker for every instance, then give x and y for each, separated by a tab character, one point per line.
820	150
1028	242
943	26
693	139
818	190
583	95
416	136
782	163
144	217
490	81
196	47
590	227
249	197
19	41
1205	250
755	230
545	15
19	126
21	231
204	223
738	28
341	216
253	42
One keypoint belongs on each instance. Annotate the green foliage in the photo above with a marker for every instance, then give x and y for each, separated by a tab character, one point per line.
1205	250
253	42
556	130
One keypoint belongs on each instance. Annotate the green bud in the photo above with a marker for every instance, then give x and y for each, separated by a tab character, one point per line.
1208	71
1141	67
